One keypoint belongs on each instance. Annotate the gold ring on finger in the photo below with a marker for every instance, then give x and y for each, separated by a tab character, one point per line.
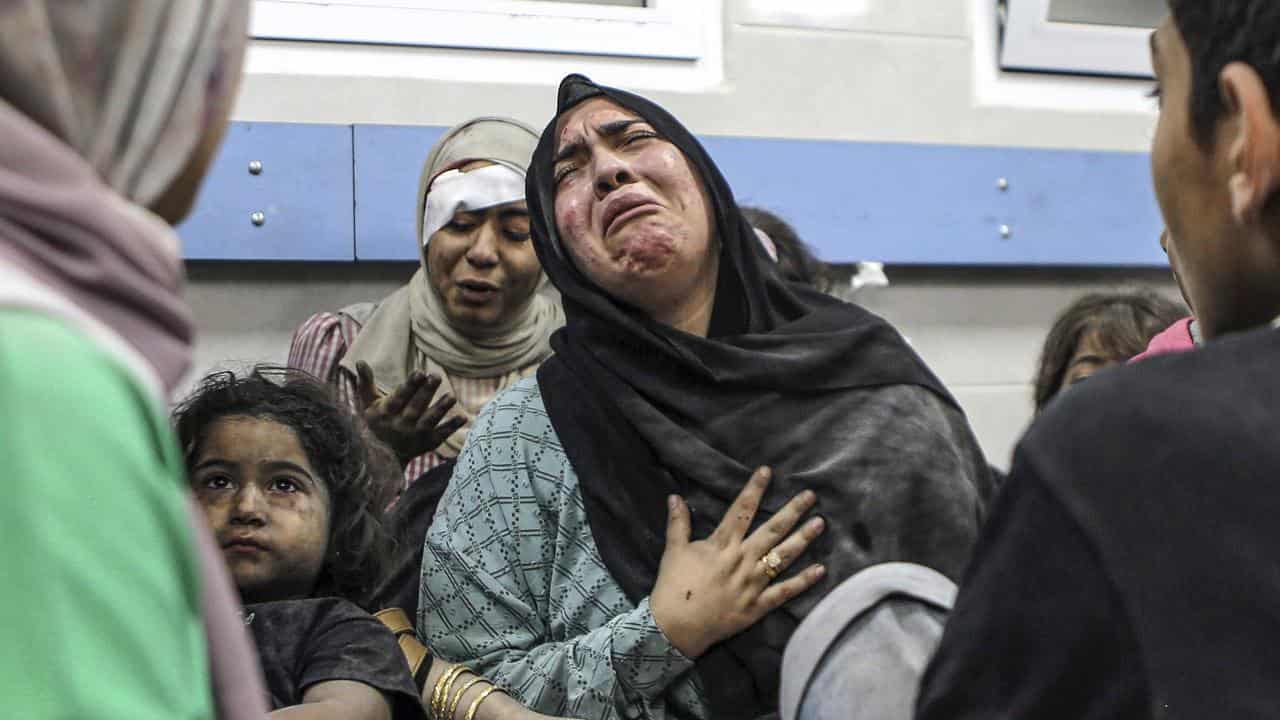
771	564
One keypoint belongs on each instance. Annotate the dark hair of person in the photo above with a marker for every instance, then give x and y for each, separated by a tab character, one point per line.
796	261
358	472
1124	324
1218	33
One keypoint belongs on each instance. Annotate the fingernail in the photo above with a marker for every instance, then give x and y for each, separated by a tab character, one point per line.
817	524
820	570
672	502
808	497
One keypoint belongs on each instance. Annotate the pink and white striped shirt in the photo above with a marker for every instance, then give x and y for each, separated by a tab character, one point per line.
320	343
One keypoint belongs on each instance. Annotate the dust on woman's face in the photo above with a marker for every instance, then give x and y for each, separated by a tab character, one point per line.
630	209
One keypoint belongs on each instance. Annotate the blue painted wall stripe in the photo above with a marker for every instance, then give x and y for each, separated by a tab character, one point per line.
899	203
389	159
304	193
929	204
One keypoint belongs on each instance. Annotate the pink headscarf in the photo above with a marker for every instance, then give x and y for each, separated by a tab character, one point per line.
1176	338
102	104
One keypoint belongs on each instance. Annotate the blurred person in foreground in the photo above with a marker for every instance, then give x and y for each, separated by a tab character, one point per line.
117	602
1129	569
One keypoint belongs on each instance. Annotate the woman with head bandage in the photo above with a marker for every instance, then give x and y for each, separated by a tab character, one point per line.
422	362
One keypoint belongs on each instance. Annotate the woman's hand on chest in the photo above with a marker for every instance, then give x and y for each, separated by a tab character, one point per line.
710	590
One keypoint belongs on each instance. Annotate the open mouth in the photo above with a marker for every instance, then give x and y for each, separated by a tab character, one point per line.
477	290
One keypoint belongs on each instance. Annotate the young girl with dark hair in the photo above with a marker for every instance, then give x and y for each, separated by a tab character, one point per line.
1097	331
293	494
293	485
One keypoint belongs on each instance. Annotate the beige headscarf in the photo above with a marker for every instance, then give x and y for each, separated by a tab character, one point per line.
102	103
410	329
127	84
130	90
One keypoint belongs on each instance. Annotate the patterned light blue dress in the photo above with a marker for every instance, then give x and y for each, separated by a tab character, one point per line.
514	586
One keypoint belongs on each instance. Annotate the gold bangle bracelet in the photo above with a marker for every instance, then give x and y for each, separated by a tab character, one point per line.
433	709
457	698
440	695
475	704
448	690
435	692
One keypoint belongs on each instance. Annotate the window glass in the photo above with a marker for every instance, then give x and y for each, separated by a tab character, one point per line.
1125	13
619	3
681	30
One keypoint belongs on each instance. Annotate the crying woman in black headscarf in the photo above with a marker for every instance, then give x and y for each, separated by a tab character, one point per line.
637	531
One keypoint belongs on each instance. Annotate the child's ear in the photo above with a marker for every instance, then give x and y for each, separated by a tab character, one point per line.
1254	149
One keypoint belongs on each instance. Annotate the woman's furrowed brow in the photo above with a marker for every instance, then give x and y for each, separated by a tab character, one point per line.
609	129
569	151
616	127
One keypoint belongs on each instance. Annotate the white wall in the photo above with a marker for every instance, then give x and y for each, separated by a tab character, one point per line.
890	70
979	329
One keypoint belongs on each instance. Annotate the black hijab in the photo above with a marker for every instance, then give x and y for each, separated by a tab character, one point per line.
644	410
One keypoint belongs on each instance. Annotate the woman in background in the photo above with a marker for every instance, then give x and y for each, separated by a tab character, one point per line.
796	261
469	323
110	113
1097	331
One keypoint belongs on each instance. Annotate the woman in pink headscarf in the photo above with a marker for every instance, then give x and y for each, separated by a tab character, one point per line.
110	114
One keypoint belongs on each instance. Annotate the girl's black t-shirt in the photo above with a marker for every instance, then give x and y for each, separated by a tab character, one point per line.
305	642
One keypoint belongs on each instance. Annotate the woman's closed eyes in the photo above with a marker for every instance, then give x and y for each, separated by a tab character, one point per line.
514	229
565	169
637	136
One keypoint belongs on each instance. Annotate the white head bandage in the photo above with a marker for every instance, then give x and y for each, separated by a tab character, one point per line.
480	189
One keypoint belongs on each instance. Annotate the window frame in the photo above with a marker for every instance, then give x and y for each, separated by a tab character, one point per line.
1034	43
665	29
